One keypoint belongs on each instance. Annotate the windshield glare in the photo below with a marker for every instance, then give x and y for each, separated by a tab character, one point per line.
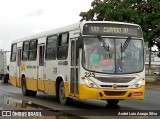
113	55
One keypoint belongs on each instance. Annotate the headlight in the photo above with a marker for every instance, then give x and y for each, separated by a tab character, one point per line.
138	84
89	83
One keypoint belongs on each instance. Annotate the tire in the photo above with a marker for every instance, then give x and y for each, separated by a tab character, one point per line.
5	78
63	100
155	75
112	102
32	93
26	92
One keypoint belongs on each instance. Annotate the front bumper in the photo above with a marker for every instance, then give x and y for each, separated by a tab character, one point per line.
103	93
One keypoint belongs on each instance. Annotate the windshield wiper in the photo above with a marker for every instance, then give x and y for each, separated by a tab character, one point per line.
105	46
125	45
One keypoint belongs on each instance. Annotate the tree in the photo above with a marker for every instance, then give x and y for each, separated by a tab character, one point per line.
142	12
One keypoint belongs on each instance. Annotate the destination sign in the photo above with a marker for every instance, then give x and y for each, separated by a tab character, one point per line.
112	29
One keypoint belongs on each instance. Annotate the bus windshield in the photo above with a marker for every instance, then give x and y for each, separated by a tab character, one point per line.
113	55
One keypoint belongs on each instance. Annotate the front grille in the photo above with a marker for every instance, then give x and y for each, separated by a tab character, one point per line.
115	79
118	86
106	86
114	93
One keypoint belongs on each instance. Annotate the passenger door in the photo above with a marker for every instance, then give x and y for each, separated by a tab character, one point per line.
41	49
13	65
18	79
74	69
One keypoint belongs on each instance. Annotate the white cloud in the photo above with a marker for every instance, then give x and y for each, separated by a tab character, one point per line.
19	18
39	12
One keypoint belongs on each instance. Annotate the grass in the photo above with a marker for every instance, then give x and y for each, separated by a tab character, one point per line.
153	84
156	82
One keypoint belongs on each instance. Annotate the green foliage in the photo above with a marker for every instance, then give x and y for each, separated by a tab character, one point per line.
142	12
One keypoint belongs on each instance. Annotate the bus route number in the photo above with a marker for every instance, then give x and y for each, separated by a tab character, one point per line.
89	74
95	29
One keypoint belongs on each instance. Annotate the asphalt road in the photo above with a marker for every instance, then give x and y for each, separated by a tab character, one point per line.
13	97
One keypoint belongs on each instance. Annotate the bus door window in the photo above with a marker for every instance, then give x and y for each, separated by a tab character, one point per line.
74	69
41	55
19	57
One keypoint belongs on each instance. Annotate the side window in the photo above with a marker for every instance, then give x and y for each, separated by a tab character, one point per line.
63	46
32	50
13	53
51	48
25	51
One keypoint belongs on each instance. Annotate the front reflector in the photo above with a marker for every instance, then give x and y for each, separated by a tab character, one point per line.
137	94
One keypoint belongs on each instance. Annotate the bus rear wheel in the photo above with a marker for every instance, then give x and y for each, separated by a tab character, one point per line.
112	102
63	100
25	91
33	93
5	78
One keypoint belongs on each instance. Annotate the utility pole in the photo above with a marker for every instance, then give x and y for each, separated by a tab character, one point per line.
149	63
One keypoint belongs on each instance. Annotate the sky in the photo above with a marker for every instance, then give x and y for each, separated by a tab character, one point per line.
20	18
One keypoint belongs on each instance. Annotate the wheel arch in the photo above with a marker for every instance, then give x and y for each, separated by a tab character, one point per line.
23	75
58	81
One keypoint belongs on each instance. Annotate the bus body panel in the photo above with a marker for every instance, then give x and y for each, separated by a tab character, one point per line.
42	73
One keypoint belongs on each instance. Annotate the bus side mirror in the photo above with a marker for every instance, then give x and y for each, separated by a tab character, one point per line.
79	44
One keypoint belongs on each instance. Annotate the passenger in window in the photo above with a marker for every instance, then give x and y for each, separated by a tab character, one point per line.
106	61
94	59
107	64
32	56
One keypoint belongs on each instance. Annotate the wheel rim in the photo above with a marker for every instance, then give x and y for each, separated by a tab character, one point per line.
23	86
62	97
61	93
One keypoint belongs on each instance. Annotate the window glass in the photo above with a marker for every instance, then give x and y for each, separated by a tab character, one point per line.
13	52
63	46
72	52
25	46
33	44
19	57
41	55
51	48
64	40
113	55
25	51
32	50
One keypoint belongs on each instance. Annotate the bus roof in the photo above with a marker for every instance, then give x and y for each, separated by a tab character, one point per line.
71	27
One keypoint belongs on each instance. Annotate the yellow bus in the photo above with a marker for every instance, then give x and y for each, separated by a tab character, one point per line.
88	60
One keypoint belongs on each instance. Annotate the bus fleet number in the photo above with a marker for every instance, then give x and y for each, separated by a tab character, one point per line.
89	74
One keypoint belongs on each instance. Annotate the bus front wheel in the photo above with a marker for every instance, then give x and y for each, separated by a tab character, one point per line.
112	102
